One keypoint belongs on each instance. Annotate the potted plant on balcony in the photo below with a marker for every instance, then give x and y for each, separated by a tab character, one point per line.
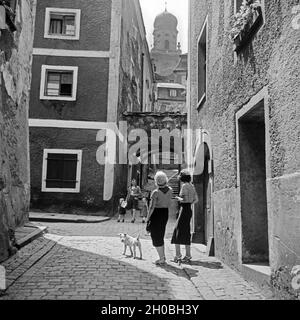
246	22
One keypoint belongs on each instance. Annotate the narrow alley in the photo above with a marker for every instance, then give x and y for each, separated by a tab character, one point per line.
184	109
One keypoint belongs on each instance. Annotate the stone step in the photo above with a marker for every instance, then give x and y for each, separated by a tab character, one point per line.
27	234
259	273
60	217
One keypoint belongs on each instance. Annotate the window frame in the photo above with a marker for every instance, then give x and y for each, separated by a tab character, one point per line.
236	7
67	11
201	100
78	170
46	68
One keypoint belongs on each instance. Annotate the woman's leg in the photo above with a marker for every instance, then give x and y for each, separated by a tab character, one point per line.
177	249
161	254
188	251
133	215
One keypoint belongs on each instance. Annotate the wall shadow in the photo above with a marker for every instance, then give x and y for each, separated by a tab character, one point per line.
67	273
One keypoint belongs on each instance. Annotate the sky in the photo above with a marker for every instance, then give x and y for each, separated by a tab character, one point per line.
151	8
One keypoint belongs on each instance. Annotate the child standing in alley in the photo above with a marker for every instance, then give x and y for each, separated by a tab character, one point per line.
122	210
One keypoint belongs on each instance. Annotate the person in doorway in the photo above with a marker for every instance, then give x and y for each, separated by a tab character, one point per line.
134	194
182	230
158	215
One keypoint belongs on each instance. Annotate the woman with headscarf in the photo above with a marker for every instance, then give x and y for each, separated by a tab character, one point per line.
158	215
182	230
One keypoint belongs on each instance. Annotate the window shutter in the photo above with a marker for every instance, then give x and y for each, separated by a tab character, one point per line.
56	25
69	25
53	84
66	84
61	171
70	171
67	78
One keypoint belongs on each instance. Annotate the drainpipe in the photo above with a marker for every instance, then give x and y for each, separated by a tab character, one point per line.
142	109
142	77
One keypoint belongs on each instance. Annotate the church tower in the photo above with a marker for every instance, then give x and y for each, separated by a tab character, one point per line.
165	52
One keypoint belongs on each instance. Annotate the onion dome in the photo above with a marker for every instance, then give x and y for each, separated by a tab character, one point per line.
165	20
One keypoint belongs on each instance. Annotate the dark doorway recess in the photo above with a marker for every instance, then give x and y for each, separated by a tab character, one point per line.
252	163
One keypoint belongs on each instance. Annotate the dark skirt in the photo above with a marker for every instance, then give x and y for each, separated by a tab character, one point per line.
133	203
122	211
182	231
157	226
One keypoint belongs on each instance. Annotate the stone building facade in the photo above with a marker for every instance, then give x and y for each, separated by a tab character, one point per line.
170	97
16	37
243	98
91	63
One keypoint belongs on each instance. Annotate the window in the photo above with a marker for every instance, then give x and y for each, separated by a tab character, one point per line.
202	65
167	45
61	170
237	5
62	23
58	83
173	93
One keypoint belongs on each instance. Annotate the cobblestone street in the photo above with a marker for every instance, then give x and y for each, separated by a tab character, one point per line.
85	261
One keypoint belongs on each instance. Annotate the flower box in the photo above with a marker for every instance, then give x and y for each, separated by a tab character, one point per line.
7	15
249	31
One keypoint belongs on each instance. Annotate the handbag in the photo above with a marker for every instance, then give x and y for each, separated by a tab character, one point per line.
148	226
124	204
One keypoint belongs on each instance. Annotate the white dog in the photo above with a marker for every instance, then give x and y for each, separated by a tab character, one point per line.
132	243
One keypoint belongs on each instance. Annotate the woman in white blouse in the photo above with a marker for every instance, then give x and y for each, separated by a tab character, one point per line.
182	231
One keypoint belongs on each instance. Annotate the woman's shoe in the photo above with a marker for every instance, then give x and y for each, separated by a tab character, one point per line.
160	262
133	220
177	259
186	259
123	220
118	220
